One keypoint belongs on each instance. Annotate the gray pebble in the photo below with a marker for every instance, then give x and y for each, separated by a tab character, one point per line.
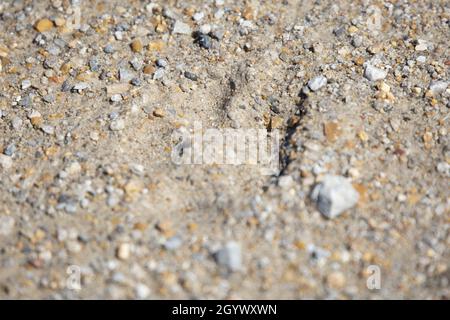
230	256
373	73
203	40
7	224
159	74
48	129
357	41
181	28
317	83
116	98
49	98
437	87
125	75
16	123
173	243
9	150
117	125
136	82
334	195
162	63
190	76
25	84
108	49
80	86
94	65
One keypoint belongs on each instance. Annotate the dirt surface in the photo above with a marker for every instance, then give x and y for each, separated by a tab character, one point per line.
93	205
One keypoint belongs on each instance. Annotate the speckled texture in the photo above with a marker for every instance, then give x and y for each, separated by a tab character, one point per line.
86	131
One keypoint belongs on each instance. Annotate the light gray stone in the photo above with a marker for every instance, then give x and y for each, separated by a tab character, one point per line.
334	195
230	256
373	73
181	28
317	83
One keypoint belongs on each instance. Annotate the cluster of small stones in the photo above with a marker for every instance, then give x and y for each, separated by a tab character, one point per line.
86	116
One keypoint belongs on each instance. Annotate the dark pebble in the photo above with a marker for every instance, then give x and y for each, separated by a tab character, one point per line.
203	40
190	76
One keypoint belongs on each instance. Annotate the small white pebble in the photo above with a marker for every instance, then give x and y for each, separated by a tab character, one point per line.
26	84
116	97
48	129
317	83
198	16
421	59
117	125
181	28
123	251
374	74
142	291
6	224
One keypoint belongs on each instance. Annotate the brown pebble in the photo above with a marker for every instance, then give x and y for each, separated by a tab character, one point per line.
336	280
331	130
136	45
149	69
158	112
248	13
276	122
44	25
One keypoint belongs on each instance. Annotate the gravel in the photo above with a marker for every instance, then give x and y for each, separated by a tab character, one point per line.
92	121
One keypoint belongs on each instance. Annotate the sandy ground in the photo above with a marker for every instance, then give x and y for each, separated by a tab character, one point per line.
93	205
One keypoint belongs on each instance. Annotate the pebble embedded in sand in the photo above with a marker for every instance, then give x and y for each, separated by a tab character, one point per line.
373	73
44	25
334	195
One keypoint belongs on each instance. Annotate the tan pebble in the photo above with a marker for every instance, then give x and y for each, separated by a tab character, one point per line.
248	13
336	280
331	130
165	227
276	122
140	226
156	46
118	88
36	121
362	190
65	68
3	51
352	29
5	162
192	226
39	235
149	69
428	138
363	136
158	112
383	87
136	45
161	27
43	25
133	187
94	135
123	251
59	22
359	61
417	90
395	124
